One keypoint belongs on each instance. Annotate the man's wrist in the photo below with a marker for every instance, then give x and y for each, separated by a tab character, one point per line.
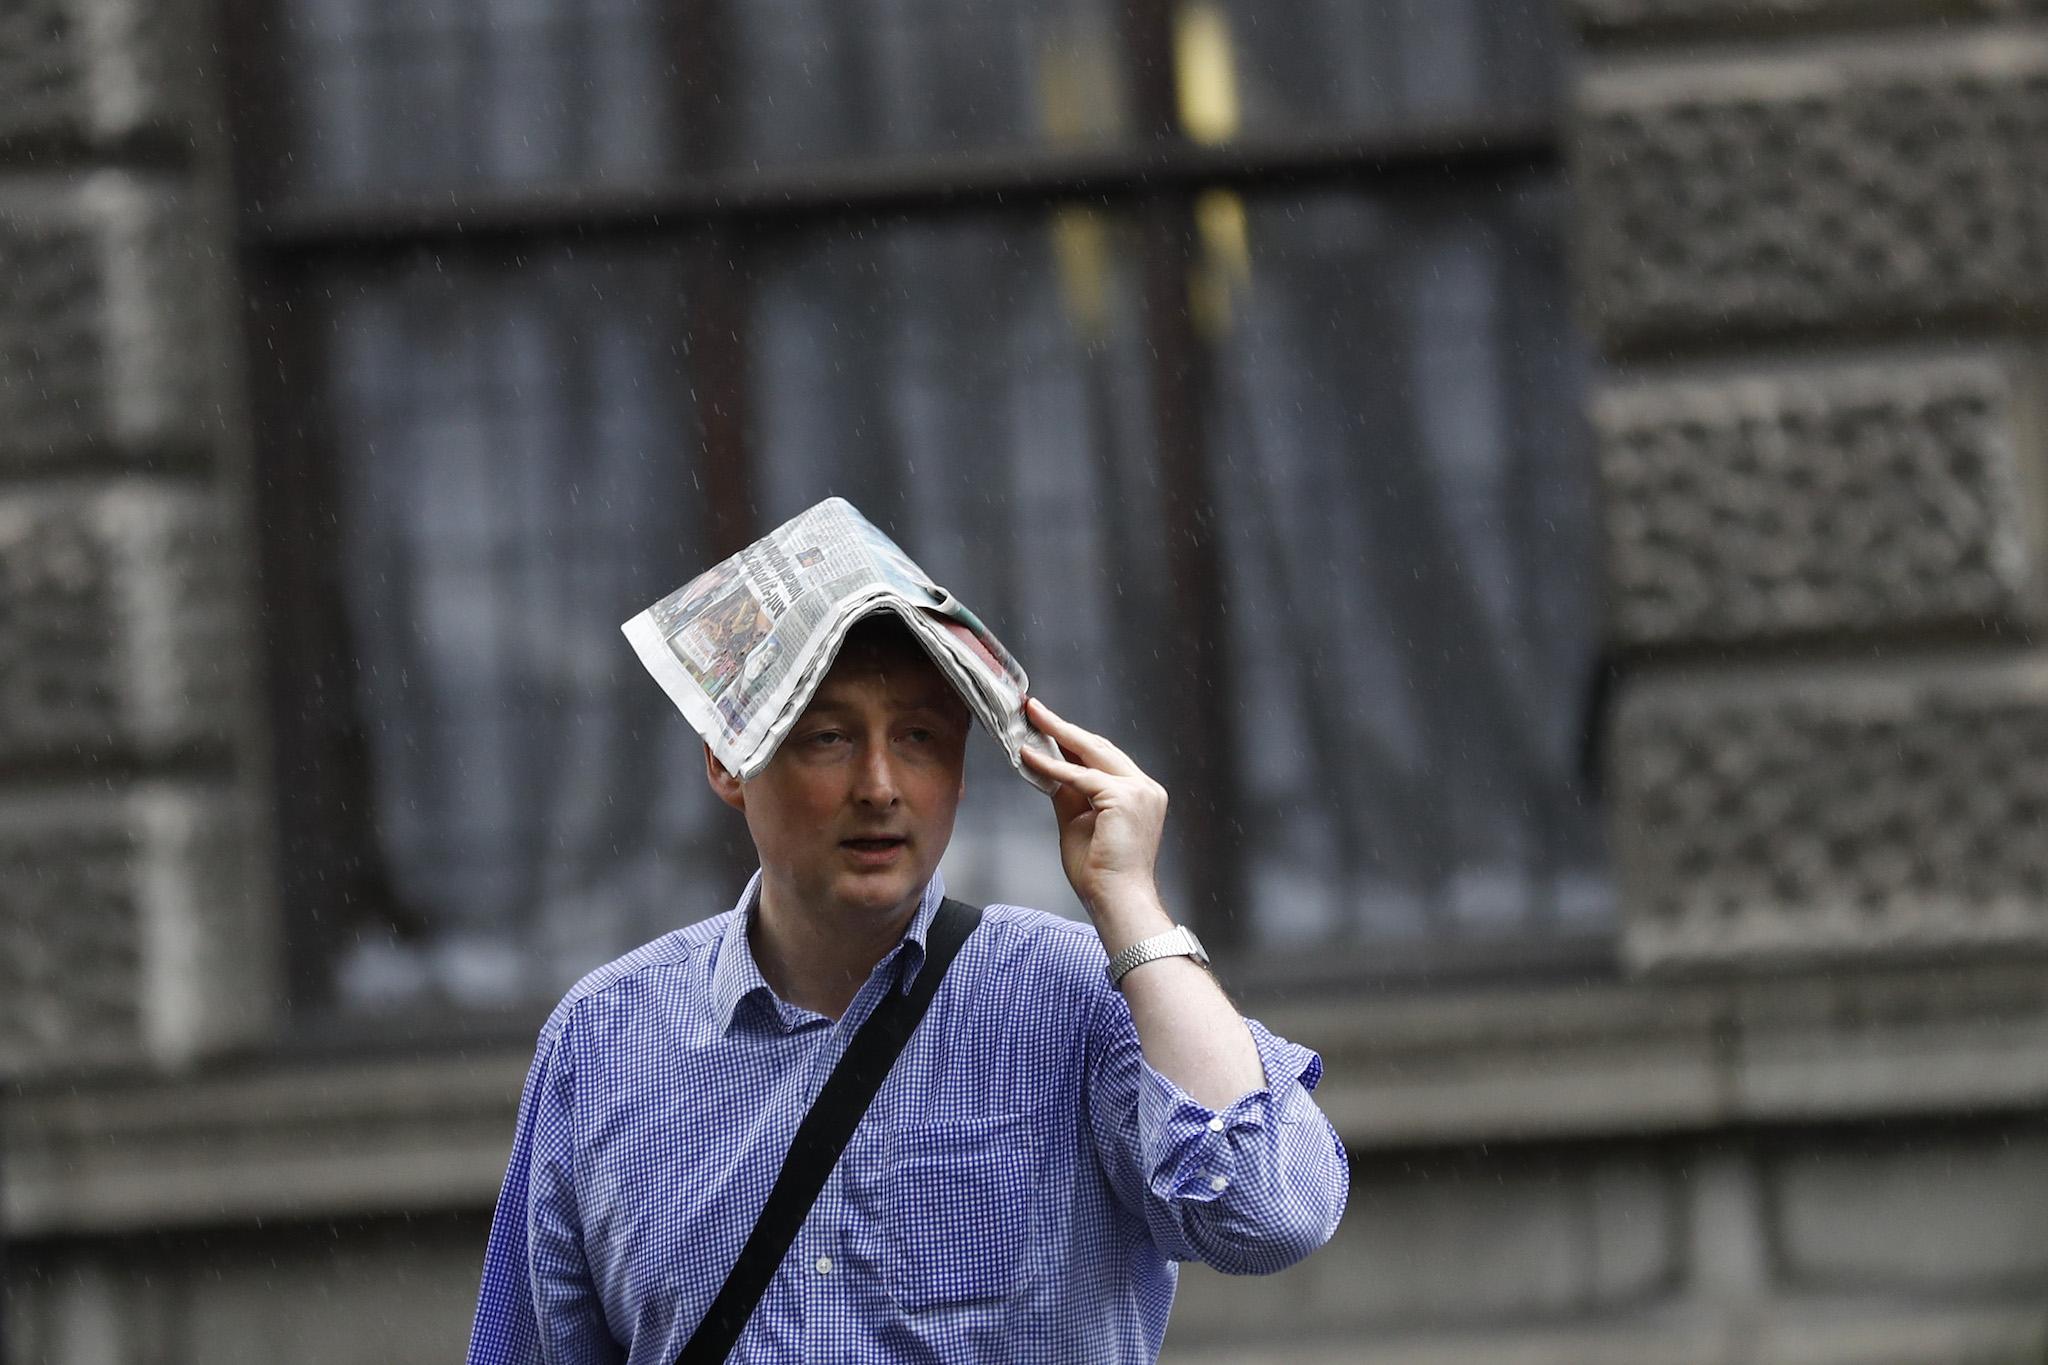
1124	917
1180	942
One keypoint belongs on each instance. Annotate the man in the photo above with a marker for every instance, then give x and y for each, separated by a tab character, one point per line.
1046	1148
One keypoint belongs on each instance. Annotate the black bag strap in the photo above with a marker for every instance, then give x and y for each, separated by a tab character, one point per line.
823	1135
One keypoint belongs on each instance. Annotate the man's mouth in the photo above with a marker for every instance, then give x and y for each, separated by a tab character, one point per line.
876	851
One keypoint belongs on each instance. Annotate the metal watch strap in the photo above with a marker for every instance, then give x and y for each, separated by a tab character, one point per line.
1179	941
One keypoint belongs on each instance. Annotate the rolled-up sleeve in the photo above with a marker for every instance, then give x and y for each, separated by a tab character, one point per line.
537	1304
1250	1188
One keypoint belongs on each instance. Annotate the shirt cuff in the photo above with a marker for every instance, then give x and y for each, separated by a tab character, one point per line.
1195	1153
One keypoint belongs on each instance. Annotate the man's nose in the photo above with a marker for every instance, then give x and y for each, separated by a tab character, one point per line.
875	783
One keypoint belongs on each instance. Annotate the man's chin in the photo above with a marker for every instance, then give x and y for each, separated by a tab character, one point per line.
880	891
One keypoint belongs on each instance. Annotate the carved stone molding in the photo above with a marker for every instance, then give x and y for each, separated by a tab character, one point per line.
1824	186
120	625
97	71
1886	494
1765	815
107	341
285	1137
130	928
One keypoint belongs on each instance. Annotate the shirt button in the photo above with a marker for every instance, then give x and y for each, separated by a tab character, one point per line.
824	1265
1218	1182
1216	1124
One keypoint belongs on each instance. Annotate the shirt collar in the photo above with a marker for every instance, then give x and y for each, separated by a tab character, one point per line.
735	976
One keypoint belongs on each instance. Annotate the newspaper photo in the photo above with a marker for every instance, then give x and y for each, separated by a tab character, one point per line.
741	647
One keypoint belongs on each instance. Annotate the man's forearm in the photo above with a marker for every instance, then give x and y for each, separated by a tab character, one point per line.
1189	1031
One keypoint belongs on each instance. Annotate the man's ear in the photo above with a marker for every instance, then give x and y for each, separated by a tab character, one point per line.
729	788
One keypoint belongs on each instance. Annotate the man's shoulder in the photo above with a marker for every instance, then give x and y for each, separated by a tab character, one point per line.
1024	921
659	961
1049	944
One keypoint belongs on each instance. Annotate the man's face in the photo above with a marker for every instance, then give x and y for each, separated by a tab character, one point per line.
854	811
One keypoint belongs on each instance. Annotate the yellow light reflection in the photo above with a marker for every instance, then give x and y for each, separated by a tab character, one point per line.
1079	86
1080	242
1205	72
1223	260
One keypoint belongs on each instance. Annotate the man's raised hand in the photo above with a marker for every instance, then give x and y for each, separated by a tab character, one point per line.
1110	814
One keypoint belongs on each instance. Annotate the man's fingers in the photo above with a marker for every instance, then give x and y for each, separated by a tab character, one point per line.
1088	746
1088	781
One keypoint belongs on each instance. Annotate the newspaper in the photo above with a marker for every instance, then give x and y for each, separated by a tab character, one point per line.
741	647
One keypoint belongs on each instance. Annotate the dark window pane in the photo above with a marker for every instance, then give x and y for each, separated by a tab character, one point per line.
816	80
1408	528
386	95
512	482
1362	66
390	95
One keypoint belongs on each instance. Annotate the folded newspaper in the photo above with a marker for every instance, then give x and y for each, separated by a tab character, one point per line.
741	647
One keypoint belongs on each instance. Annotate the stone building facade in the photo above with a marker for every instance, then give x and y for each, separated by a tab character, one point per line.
1803	1119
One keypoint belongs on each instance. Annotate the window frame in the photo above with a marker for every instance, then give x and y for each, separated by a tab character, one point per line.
319	765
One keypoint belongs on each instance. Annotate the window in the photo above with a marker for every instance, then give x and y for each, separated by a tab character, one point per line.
1217	352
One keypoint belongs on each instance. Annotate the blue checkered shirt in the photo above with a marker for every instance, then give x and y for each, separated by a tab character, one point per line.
1019	1191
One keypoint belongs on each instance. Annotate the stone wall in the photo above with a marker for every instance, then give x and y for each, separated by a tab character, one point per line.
1815	263
135	920
1811	245
1804	1122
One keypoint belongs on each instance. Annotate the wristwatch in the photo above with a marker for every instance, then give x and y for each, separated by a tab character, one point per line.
1177	942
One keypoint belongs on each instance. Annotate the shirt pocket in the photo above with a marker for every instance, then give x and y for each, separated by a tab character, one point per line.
959	1211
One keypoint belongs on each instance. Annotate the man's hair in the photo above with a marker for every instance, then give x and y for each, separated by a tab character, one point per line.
882	632
883	637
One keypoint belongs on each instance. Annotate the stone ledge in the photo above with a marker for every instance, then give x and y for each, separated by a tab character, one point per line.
1772	814
1892	493
1683	1056
1603	19
108	341
279	1140
270	1141
1815	186
99	71
119	624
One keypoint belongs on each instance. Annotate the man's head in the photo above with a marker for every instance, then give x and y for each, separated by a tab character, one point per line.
854	811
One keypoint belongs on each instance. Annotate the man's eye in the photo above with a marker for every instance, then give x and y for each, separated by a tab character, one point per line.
920	736
826	738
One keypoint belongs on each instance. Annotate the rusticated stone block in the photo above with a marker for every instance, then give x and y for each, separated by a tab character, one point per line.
1973	1202
1885	494
1844	811
1603	17
119	623
130	928
106	337
1824	186
97	70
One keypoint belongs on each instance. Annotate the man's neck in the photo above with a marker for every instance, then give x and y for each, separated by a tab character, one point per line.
819	959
